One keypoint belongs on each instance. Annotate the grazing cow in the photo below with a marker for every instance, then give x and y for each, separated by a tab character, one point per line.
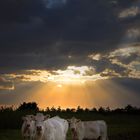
88	130
28	127
48	129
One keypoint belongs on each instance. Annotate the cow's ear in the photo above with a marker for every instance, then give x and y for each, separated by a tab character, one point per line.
47	117
78	120
32	117
68	120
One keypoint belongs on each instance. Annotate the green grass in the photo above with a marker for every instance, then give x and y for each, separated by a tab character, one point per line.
124	127
113	131
10	135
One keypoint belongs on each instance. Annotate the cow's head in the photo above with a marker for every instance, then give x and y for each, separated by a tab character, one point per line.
39	123
27	122
73	123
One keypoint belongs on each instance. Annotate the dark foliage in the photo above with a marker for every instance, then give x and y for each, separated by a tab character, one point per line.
28	106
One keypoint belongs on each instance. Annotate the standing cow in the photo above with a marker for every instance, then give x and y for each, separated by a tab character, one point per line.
49	128
89	130
63	123
28	127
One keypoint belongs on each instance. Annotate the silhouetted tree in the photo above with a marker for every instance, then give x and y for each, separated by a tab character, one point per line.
48	109
108	110
94	110
130	109
68	110
79	109
118	110
59	109
28	106
53	109
86	110
101	110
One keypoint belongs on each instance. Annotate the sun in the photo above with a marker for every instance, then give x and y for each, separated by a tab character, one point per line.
59	86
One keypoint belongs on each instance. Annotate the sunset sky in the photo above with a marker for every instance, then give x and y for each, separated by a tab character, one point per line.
70	53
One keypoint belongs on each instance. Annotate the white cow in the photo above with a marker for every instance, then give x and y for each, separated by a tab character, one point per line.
28	127
64	124
49	128
90	130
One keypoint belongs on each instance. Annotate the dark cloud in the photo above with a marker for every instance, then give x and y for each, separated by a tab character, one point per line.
128	60
105	63
33	36
52	4
77	22
19	11
6	84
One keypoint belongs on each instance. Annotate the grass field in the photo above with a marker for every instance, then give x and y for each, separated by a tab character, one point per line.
116	133
119	128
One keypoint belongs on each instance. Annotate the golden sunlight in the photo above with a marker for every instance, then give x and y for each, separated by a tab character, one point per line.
74	75
71	75
91	94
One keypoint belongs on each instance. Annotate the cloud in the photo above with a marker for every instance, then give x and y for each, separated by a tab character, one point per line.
54	3
53	39
121	62
127	57
129	12
132	35
19	11
46	42
6	84
110	73
125	52
29	76
48	36
70	75
95	56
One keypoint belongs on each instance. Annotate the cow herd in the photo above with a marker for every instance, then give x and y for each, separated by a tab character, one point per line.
44	127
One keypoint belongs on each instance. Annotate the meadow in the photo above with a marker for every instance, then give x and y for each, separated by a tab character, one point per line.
122	125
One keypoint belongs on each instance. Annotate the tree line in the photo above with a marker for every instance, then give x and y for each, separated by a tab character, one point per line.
33	107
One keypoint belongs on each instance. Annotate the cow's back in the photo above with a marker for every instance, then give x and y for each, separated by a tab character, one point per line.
64	124
95	129
92	129
58	129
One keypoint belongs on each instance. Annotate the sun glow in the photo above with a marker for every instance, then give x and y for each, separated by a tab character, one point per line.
71	87
74	75
95	94
59	86
70	75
